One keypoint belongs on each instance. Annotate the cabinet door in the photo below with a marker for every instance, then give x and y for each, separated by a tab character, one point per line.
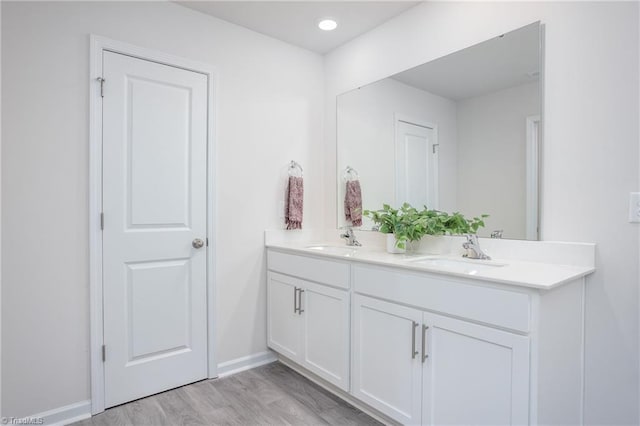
474	374
283	322
325	317
386	371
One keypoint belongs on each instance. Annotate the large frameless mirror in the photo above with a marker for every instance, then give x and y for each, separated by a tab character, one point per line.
461	133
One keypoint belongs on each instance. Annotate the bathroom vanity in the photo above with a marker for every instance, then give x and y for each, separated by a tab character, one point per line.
436	339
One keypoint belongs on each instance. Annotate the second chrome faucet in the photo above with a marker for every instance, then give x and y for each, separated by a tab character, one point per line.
473	248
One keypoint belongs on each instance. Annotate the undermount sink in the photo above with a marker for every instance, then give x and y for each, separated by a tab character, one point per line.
462	265
337	250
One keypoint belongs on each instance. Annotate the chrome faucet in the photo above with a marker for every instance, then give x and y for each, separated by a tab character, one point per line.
473	248
350	236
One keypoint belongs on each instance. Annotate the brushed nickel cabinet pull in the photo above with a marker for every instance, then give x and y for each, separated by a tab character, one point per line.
300	310
424	343
414	352
295	300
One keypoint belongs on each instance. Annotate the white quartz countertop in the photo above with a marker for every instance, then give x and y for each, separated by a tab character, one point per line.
521	273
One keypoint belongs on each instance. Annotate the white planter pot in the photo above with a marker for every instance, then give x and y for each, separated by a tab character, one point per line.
391	245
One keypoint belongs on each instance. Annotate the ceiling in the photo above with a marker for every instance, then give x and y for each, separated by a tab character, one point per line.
295	22
506	61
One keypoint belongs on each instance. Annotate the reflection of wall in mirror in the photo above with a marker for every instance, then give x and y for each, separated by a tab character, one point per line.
491	157
366	121
481	148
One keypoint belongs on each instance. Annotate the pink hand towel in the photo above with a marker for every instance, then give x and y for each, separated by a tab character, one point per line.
293	201
353	203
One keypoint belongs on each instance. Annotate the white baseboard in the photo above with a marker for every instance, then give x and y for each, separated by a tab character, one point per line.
237	365
56	417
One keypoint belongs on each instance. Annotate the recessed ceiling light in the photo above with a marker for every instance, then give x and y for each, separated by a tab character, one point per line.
327	24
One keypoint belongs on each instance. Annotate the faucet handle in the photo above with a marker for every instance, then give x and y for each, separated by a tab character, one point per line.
347	232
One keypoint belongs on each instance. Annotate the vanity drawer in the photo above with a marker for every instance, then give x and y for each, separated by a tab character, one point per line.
309	268
503	308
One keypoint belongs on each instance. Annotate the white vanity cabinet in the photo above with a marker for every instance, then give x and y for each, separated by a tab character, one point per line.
308	322
422	368
432	348
473	374
386	369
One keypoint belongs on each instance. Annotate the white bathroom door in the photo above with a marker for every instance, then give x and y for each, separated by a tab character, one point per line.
416	165
155	227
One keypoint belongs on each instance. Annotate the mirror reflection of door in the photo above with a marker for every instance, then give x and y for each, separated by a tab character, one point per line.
416	164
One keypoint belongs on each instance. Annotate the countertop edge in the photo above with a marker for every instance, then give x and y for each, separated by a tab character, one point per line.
571	274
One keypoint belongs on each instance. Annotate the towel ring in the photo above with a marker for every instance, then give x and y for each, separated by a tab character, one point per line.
293	166
350	174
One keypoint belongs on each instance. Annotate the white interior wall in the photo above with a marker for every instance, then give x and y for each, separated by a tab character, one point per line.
584	196
0	211
492	157
590	154
366	129
269	110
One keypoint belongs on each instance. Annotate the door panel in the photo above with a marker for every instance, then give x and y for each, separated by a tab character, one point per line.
416	172
284	326
326	333
161	327
386	374
474	374
154	202
158	148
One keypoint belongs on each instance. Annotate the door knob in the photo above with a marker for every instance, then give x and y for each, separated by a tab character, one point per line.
197	243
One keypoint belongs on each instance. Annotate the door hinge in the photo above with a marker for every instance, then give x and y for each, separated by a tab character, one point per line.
102	221
101	81
434	147
104	353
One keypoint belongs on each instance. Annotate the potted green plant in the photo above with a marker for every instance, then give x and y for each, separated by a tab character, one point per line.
407	224
401	225
387	221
